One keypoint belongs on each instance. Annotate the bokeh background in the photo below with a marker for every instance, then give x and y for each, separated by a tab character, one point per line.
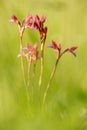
66	103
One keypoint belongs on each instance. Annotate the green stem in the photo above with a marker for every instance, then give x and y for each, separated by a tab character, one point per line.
42	65
50	79
29	64
33	77
22	68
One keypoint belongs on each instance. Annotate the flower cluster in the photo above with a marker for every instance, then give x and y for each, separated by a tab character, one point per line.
35	23
31	52
39	25
57	48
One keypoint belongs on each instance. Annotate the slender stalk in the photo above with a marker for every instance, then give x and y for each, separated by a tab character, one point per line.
50	79
29	64
33	76
42	65
22	68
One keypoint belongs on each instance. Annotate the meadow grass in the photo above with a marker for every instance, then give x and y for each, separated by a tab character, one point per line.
66	103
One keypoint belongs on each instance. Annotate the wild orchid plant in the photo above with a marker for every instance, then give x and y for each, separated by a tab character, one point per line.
31	52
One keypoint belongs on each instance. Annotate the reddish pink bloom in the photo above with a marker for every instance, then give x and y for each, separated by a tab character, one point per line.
33	52
55	46
30	51
39	25
29	21
71	49
13	19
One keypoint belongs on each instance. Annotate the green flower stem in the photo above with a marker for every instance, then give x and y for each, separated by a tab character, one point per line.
33	77
29	65
50	79
42	65
22	68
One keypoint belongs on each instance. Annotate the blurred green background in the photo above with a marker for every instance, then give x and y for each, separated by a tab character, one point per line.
66	104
